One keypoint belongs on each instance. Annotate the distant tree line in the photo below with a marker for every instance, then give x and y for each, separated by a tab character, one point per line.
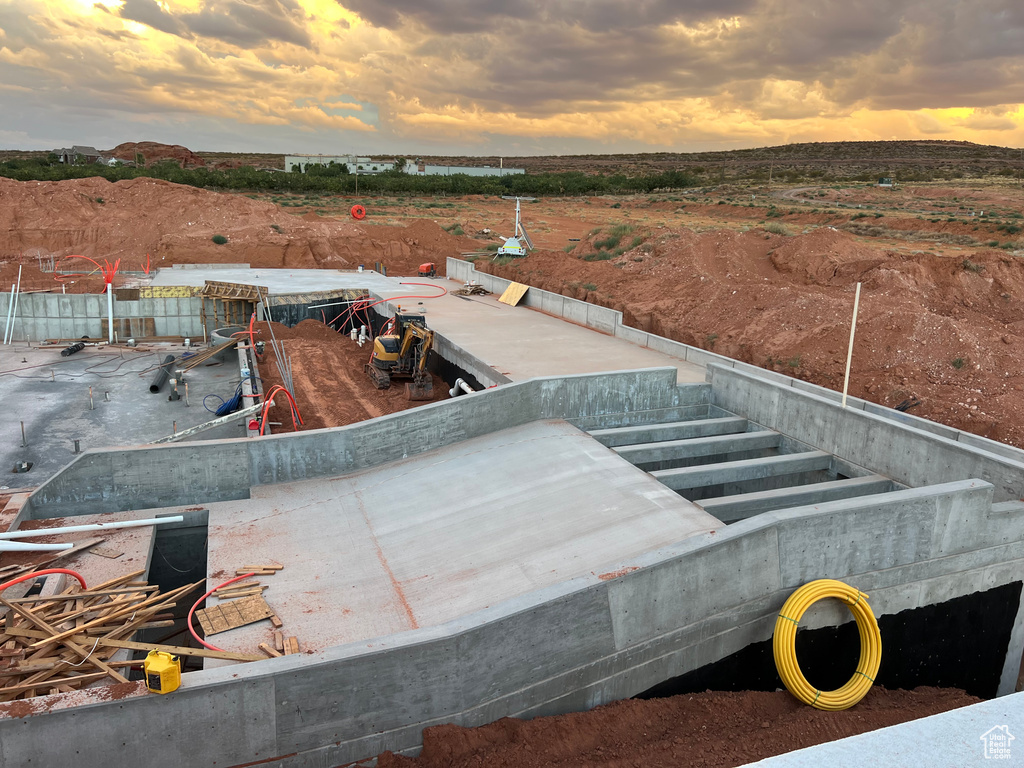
337	180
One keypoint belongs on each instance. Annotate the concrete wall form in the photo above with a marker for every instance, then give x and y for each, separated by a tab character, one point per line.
109	479
72	316
610	321
566	648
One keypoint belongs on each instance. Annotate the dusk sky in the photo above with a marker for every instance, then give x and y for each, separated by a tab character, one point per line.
507	77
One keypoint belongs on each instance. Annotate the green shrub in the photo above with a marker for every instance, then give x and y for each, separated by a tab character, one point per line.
589	287
776	228
972	266
958	362
219	239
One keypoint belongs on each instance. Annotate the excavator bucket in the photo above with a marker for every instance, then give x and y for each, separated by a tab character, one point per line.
420	388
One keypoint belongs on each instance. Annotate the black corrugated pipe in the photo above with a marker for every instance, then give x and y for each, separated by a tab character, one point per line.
162	375
67	351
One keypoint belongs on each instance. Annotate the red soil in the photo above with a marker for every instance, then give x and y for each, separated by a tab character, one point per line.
712	730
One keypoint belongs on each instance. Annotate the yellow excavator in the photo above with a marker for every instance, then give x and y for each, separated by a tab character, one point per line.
402	353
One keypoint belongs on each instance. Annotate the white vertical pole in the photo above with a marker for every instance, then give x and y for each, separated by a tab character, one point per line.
849	353
10	309
14	314
110	313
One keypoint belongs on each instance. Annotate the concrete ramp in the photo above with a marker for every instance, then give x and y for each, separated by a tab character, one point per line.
423	541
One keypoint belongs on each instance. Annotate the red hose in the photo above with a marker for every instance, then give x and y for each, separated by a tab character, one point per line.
266	407
28	576
196	605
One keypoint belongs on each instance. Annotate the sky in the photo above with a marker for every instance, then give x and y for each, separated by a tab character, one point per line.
507	77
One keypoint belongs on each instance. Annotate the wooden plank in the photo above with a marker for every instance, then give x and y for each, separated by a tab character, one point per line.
107	552
131	645
268	650
262	567
180	651
77	680
236	585
279	640
86	655
83	595
233	614
48	559
291	645
241	593
276	622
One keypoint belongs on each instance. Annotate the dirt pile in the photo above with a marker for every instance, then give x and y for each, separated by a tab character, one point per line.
711	729
942	329
331	389
175	224
154	152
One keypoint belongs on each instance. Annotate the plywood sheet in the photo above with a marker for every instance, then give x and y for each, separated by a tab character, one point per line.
513	294
237	613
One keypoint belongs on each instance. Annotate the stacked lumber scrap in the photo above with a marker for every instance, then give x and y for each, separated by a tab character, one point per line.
60	643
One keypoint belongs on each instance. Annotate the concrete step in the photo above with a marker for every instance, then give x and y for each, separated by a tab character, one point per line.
738	471
729	509
699	446
668	415
676	430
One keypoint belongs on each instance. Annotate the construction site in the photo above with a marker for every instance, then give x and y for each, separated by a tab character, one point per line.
319	490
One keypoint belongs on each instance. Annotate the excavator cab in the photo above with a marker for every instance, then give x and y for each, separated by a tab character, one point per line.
402	353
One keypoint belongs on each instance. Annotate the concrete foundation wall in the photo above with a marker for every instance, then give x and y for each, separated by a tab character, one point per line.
104	480
610	321
72	316
901	452
566	648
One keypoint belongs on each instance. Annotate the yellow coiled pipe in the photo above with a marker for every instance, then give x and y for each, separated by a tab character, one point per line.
784	645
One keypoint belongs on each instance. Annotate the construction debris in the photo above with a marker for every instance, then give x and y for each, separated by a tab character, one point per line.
58	643
471	289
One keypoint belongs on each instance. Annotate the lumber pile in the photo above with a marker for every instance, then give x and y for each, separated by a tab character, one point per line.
60	643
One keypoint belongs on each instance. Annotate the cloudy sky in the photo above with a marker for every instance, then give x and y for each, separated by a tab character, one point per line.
507	76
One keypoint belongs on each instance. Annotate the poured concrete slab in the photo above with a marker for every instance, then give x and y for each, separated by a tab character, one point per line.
522	343
51	394
425	540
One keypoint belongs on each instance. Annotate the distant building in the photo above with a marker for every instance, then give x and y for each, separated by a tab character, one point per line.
78	155
356	164
365	165
885	181
419	168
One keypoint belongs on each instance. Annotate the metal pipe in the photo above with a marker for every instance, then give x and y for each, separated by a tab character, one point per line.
162	375
91	527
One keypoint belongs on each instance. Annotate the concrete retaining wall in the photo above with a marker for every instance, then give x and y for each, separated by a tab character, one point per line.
109	479
566	648
901	452
610	321
72	316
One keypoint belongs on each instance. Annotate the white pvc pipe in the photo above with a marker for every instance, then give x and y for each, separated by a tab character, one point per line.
10	308
460	386
849	353
92	527
23	546
110	313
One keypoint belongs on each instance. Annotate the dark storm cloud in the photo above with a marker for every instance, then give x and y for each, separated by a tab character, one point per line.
539	57
444	16
150	13
244	23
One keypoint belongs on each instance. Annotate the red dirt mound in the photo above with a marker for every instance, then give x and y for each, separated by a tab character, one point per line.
154	152
176	224
712	729
944	329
